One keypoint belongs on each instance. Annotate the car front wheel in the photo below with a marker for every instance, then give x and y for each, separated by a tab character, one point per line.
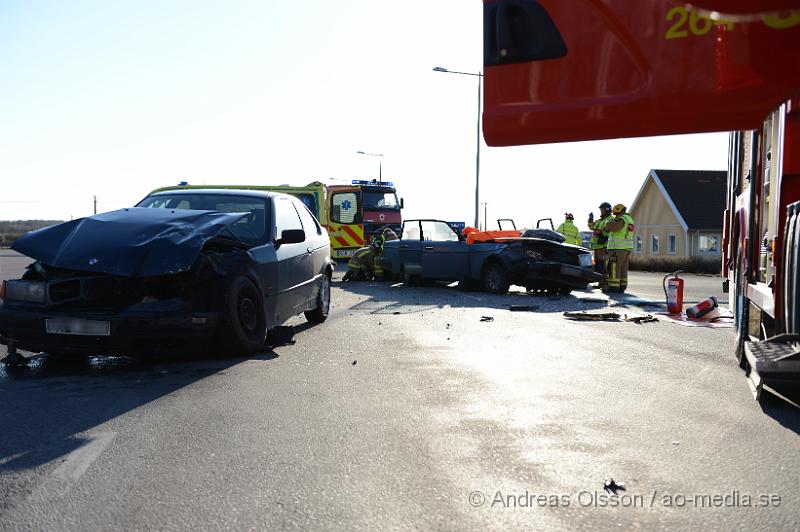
320	312
495	279
243	327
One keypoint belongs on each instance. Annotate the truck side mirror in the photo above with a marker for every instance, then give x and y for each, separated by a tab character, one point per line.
402	203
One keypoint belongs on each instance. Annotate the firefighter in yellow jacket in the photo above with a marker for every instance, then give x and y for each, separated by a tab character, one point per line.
363	265
599	243
620	231
569	230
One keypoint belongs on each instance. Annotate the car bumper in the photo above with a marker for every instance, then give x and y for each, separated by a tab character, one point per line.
564	274
140	333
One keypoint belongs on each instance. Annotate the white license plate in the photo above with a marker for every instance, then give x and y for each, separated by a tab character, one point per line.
77	326
344	252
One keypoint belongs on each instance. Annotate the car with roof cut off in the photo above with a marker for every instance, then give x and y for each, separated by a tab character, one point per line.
185	271
538	259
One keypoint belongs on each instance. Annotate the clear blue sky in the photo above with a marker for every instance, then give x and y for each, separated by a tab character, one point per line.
116	98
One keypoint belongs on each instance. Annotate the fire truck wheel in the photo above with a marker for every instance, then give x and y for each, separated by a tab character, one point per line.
320	312
494	278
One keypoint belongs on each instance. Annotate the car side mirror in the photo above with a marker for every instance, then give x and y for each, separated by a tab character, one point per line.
291	236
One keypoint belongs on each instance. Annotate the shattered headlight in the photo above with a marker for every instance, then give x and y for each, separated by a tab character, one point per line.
585	259
28	291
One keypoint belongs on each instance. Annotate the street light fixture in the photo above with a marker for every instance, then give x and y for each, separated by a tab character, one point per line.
380	170
479	75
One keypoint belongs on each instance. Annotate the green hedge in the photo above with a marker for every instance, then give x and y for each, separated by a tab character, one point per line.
712	265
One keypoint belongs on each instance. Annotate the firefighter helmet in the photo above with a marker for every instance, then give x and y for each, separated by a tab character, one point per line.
605	205
619	208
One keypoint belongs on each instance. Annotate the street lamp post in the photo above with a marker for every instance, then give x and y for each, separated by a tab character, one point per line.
479	75
380	161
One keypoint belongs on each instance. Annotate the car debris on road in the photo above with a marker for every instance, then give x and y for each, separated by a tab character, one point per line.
612	486
592	316
281	335
647	318
523	308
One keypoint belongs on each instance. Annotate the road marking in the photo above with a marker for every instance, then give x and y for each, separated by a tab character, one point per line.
79	460
11	458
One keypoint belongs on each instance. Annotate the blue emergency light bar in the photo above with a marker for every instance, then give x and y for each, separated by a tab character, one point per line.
374	183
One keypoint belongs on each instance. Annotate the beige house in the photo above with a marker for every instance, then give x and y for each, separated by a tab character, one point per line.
679	213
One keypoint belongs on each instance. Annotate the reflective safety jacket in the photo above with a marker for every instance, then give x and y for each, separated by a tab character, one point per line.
363	259
599	236
570	232
621	238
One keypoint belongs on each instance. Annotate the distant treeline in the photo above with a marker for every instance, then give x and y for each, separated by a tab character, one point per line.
10	231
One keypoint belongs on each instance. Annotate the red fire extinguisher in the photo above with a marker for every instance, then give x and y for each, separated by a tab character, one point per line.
702	308
673	290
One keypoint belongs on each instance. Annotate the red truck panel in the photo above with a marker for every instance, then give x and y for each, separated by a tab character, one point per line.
640	68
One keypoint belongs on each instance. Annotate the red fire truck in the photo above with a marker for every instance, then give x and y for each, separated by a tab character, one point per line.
560	71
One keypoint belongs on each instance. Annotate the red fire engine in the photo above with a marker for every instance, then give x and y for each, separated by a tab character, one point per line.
560	71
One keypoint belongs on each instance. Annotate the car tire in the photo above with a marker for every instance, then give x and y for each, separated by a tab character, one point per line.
408	279
320	312
468	285
494	278
243	327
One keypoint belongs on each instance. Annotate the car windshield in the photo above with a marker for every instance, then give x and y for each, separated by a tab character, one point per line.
251	229
380	199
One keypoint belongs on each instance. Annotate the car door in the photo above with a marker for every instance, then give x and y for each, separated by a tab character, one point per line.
558	71
293	260
318	249
444	255
410	247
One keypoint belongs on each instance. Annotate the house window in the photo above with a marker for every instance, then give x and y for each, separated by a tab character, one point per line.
708	244
654	250
638	244
672	244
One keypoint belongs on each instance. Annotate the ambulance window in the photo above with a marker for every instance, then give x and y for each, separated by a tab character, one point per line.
310	223
309	201
345	208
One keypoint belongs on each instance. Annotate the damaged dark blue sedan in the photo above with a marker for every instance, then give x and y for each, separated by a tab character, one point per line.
183	272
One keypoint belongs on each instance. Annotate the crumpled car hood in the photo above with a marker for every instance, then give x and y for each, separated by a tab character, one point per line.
133	242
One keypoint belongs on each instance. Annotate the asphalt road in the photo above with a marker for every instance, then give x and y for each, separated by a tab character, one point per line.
405	410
